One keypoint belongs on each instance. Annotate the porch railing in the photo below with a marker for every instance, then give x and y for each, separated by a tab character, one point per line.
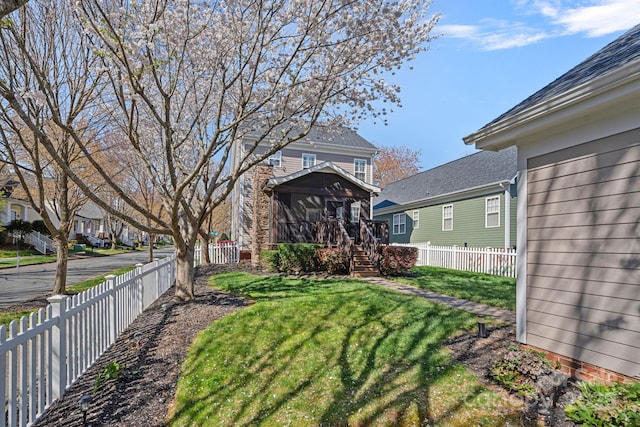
372	238
40	242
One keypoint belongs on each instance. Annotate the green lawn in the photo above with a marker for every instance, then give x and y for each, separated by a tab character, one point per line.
484	288
26	260
333	353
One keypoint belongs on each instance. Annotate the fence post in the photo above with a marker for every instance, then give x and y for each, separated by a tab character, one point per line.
429	253
156	275
455	257
140	284
58	346
112	307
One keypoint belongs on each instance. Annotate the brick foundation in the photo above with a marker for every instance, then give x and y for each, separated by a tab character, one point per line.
583	371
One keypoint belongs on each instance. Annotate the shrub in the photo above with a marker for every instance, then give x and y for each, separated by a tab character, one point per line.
270	260
398	259
298	257
602	405
334	261
519	369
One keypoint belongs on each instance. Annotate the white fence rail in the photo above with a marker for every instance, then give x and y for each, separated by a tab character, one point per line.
40	242
496	261
219	253
42	355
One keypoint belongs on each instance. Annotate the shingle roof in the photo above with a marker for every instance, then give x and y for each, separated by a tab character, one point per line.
476	170
337	135
624	50
328	134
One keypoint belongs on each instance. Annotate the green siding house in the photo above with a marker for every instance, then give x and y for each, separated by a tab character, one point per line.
467	202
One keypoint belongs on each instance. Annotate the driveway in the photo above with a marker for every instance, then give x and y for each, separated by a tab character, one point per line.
30	281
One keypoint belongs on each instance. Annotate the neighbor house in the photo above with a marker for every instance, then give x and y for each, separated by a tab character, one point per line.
88	221
14	207
326	174
466	202
578	139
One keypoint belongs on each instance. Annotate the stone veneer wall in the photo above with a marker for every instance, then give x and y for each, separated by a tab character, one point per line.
260	212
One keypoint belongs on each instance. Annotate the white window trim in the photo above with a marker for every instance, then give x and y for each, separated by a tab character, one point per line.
355	170
416	219
277	156
445	218
400	224
309	155
355	218
486	211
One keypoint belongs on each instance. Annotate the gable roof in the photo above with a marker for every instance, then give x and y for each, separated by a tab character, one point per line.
326	167
624	50
616	61
323	134
473	171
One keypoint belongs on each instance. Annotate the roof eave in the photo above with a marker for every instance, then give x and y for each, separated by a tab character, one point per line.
558	111
448	197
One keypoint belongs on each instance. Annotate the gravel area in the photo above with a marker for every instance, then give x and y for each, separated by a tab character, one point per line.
150	352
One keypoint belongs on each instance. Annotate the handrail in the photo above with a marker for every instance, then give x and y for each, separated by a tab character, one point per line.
346	243
370	244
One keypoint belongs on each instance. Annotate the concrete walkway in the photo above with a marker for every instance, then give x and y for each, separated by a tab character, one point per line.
500	314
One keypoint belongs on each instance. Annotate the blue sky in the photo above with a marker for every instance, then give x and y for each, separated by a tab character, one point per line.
492	54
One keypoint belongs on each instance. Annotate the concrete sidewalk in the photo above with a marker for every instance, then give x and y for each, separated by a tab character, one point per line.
500	314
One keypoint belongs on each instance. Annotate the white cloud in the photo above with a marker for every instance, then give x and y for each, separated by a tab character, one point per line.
600	18
549	18
494	35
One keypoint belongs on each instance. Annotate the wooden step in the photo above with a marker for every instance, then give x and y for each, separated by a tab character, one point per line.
362	267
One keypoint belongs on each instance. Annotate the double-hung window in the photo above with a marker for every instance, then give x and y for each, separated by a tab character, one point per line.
399	223
275	159
360	169
308	160
355	212
492	212
416	219
447	218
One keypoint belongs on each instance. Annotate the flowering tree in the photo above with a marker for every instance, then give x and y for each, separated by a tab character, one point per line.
189	79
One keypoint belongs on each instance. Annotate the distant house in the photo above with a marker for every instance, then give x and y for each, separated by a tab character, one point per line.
15	208
327	174
578	139
467	202
88	221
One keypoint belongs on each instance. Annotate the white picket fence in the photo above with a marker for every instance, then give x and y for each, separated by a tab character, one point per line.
42	355
218	253
496	261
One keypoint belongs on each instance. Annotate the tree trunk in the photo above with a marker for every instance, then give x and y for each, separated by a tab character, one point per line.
62	256
204	247
184	273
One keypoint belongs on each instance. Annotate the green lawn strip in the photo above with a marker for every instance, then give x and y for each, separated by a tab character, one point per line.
330	352
496	291
6	317
11	253
95	281
30	260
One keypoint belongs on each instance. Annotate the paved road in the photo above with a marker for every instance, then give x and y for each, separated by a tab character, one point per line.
31	281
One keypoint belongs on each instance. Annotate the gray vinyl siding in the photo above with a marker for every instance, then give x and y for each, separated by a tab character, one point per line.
292	161
468	225
583	252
